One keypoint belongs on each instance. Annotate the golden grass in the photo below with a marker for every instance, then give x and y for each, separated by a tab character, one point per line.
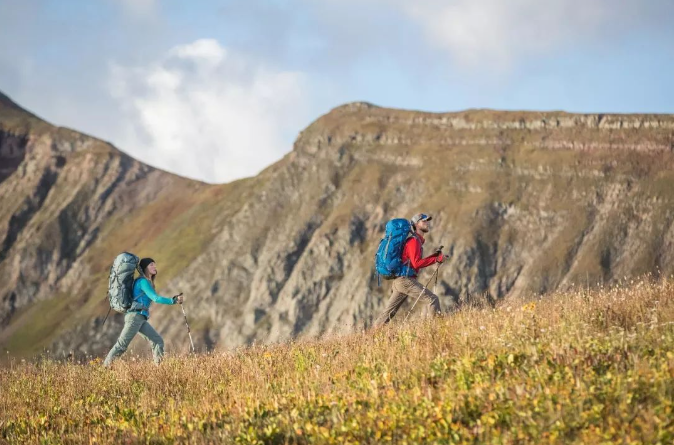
574	367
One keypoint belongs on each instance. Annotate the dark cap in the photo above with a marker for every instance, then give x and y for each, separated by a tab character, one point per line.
420	217
144	263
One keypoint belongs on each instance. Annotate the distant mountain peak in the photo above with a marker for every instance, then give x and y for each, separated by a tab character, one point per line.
5	101
11	111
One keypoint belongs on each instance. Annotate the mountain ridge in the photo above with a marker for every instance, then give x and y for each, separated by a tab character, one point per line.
524	207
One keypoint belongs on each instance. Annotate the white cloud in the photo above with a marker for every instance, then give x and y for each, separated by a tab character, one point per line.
204	51
205	112
496	33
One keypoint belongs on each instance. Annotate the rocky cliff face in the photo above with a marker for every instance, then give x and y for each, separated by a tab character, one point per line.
59	189
525	203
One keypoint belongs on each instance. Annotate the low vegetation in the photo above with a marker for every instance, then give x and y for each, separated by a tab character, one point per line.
574	367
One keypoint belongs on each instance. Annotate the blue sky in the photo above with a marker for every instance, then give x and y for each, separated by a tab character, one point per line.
218	90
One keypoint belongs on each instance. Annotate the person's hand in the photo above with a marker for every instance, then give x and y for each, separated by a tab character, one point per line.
178	299
441	257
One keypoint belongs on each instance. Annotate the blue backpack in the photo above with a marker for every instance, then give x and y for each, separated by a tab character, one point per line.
388	259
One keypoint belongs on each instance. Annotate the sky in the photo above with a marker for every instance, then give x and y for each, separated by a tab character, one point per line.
219	90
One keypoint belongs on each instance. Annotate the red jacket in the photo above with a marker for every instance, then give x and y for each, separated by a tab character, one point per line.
413	252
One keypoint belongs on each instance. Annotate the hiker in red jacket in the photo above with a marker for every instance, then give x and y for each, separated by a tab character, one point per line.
406	285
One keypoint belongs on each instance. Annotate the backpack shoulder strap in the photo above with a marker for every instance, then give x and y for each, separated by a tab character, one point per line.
136	282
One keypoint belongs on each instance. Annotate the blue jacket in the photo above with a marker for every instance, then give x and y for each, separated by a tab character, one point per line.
144	295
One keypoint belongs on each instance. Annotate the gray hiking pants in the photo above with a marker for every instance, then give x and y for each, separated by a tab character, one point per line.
402	288
135	323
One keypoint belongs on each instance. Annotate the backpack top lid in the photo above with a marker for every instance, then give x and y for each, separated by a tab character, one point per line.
398	226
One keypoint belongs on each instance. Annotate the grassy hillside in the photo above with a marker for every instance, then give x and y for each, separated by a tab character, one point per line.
574	367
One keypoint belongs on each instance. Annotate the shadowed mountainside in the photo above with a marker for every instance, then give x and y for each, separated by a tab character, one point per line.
525	202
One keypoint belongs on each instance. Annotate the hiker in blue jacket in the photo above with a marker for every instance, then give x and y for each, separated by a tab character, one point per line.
136	318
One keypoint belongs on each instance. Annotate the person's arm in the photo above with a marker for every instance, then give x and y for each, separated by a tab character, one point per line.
149	291
413	250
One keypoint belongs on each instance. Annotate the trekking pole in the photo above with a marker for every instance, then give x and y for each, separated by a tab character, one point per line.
423	290
186	324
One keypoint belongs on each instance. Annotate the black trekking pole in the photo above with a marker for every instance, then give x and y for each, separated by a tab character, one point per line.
435	274
186	324
422	291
